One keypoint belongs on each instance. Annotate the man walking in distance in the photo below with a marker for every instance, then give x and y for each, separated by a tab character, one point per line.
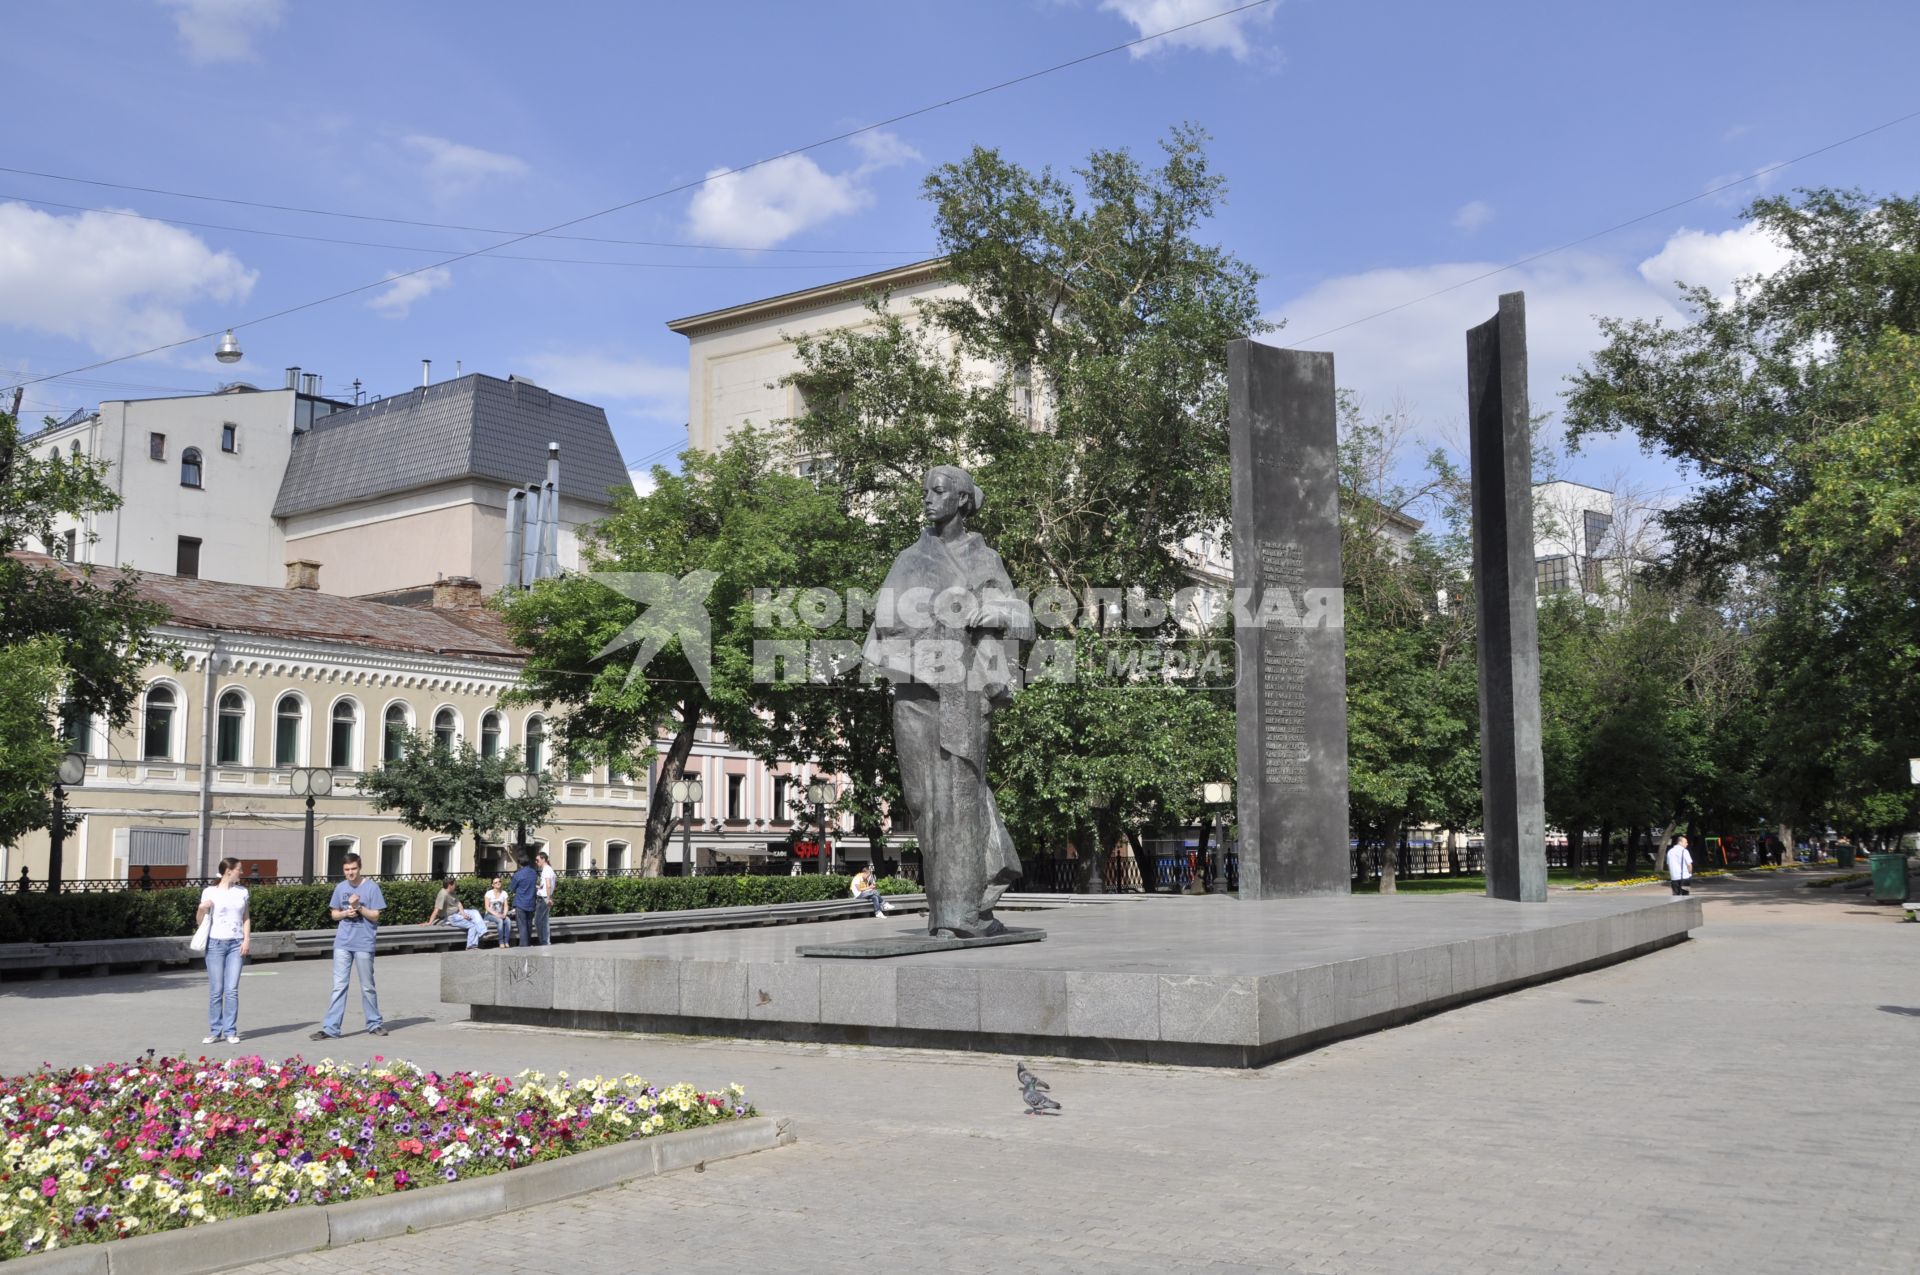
356	904
1679	865
525	889
548	879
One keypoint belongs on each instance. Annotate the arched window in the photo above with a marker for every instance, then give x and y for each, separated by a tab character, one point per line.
393	856
346	722
74	451
444	728
394	737
490	735
233	729
190	467
76	728
576	858
338	848
157	741
616	856
536	744
289	716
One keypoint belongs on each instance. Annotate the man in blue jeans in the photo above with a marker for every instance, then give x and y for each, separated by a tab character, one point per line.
525	888
356	905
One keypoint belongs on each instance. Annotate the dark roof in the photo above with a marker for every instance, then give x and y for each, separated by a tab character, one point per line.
477	426
305	613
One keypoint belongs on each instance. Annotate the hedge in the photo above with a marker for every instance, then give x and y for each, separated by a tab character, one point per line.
132	914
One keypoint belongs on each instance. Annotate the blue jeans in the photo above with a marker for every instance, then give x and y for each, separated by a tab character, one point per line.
541	909
344	966
523	921
505	924
871	894
469	920
223	987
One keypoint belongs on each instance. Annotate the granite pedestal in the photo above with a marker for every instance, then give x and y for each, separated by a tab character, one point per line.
1176	979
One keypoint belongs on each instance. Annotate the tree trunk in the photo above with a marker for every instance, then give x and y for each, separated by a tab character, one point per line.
1199	882
1389	860
1606	849
1786	844
661	811
1576	849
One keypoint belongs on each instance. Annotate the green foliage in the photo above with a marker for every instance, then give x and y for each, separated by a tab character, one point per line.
451	790
30	752
66	918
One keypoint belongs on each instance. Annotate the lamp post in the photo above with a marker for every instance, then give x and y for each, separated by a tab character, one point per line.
309	782
820	792
521	786
1218	798
687	793
1100	803
72	773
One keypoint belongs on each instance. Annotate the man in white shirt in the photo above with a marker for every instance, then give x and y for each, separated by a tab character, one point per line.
1679	865
544	908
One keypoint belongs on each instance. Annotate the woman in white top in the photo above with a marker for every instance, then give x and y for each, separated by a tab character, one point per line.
496	902
228	939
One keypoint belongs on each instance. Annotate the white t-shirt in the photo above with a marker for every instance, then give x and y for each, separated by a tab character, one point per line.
1679	863
229	909
546	883
496	902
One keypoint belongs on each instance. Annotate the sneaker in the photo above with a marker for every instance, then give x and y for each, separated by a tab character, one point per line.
376	1031
886	907
233	1038
209	1040
323	1036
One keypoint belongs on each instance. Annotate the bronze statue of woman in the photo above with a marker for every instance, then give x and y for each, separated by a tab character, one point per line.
945	635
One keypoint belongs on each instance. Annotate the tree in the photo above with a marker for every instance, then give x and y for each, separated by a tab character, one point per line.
451	790
737	516
57	623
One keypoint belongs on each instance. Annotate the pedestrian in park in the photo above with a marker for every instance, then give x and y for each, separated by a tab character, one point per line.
496	902
1679	865
865	887
526	895
448	911
229	936
544	908
356	905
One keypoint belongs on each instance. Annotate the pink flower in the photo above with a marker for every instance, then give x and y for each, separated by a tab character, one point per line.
49	1187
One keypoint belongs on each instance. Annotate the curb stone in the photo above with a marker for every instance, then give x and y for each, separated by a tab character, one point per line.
261	1237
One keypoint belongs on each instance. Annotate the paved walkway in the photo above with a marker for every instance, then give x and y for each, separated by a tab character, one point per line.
1550	1130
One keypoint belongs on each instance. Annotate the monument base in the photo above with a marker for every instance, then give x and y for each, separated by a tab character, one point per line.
915	944
1170	979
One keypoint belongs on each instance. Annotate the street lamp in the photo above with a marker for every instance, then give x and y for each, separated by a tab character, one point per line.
1219	798
522	786
309	782
1099	802
687	793
72	773
820	792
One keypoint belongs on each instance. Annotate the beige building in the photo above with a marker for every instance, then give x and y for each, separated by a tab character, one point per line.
274	678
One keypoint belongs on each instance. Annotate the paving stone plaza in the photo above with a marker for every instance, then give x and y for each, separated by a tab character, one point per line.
1736	1103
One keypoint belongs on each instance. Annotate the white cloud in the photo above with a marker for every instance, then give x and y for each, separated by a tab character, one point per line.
643	483
1703	259
115	282
763	206
631	382
223	30
1743	188
453	167
1472	216
1223	35
397	301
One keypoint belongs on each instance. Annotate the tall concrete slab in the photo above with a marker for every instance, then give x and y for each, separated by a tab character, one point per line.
1511	773
1291	697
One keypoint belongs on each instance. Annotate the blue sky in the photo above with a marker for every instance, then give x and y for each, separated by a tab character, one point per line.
1375	152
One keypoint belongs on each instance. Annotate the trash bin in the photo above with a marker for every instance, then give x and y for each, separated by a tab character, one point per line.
1843	854
1889	878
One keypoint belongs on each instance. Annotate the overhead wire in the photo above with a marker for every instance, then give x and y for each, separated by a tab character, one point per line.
680	188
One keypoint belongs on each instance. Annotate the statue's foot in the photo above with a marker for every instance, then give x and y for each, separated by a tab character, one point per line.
987	929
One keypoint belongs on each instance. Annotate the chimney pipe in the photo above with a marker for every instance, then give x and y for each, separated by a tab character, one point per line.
293	378
426	373
303	573
307	380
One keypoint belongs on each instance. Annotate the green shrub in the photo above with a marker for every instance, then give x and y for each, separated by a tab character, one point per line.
131	914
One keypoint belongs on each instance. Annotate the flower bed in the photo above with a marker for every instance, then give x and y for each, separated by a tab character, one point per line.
96	1153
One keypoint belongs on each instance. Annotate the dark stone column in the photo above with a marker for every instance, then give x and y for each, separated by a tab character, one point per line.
1291	697
1511	800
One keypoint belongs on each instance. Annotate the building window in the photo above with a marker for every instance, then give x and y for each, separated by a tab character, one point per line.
576	860
780	811
616	856
394	737
288	718
1596	526
337	851
536	744
393	856
442	859
229	437
346	719
186	557
157	737
233	726
490	735
156	446
1553	575
74	451
736	796
444	729
190	467
76	728
67	547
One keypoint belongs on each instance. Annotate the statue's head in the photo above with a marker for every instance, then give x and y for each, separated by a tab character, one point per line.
947	491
